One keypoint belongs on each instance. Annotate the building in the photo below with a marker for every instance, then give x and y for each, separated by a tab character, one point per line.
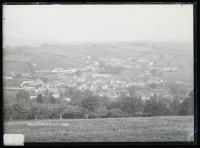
101	76
147	93
169	69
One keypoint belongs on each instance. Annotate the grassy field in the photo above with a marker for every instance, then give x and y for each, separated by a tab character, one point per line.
134	129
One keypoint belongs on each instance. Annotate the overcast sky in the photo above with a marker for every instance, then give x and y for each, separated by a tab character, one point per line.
38	24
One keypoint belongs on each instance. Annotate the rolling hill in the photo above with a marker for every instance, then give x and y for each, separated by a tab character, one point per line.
72	55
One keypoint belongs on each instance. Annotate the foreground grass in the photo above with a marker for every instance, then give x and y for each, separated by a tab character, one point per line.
134	129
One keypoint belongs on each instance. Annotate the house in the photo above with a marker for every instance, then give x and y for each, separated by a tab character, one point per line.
145	97
151	64
101	76
96	63
105	87
43	72
93	87
67	99
127	66
89	57
53	90
142	60
56	95
8	77
155	81
32	86
138	84
33	97
28	83
80	79
27	75
56	70
147	93
169	69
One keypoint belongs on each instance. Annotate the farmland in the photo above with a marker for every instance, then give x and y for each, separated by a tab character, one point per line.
70	55
133	129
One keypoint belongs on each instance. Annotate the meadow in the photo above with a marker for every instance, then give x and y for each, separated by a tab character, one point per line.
133	129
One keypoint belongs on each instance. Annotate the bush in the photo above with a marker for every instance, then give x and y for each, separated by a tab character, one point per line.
157	106
186	107
115	113
40	98
131	105
72	111
100	112
91	103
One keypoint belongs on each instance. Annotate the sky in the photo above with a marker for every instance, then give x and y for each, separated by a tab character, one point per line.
40	24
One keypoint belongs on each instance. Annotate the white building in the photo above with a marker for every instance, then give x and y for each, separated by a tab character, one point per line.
67	99
8	77
56	95
101	76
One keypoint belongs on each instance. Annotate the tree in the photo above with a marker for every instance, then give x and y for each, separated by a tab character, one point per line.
156	72
191	94
131	105
40	98
52	99
22	98
132	90
68	91
21	111
113	105
41	111
153	85
175	106
45	111
59	109
72	111
114	113
47	97
9	112
187	106
36	110
157	105
99	112
177	89
91	103
151	106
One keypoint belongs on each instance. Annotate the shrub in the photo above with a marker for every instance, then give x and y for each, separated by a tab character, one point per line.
115	113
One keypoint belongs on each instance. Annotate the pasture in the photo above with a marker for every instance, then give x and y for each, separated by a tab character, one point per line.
133	129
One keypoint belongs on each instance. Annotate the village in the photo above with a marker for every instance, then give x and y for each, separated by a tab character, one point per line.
88	77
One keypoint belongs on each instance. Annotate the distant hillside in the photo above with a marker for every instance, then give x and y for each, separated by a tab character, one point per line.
51	56
18	66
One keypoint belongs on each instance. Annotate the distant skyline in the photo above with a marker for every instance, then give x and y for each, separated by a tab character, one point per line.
40	24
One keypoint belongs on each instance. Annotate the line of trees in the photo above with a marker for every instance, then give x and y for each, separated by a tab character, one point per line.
47	107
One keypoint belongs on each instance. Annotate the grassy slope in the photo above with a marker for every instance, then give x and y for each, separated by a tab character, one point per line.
107	130
76	54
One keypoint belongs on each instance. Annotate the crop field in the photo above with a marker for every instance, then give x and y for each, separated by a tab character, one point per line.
133	129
